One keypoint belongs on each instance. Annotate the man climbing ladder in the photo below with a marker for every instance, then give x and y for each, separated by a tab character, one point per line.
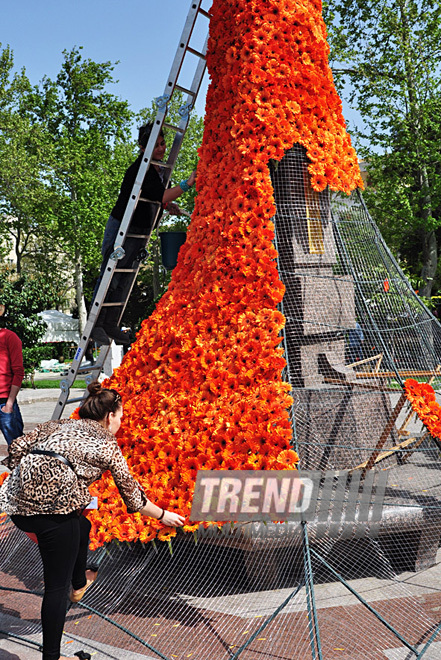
146	215
111	294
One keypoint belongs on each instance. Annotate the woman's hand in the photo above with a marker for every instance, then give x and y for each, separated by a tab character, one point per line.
166	517
192	178
172	519
174	209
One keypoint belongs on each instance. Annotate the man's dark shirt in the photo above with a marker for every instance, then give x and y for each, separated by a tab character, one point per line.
152	188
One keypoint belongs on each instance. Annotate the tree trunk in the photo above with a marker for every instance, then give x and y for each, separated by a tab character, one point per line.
156	263
430	262
18	252
82	312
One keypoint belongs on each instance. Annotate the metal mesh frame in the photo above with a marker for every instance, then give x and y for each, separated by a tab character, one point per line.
329	590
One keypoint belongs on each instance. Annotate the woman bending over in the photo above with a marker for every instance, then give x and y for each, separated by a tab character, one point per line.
52	467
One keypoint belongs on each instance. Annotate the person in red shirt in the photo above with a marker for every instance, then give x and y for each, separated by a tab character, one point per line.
11	377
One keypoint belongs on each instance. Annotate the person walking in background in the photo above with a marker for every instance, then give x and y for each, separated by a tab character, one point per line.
154	194
52	467
11	378
355	344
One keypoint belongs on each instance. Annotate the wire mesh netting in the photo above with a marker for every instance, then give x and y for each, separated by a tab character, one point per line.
246	595
344	585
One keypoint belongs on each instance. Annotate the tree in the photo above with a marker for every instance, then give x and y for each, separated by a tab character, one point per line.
22	192
86	129
23	298
389	51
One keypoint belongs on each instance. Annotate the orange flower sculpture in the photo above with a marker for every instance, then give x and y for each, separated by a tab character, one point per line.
423	401
202	383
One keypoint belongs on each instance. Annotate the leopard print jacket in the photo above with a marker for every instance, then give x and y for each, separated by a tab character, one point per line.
41	484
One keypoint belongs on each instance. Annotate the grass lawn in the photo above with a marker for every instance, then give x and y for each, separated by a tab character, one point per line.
51	383
421	379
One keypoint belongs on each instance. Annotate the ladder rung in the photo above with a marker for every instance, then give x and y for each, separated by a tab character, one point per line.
83	370
177	129
81	398
125	270
113	304
137	235
204	12
196	52
150	201
185	90
166	166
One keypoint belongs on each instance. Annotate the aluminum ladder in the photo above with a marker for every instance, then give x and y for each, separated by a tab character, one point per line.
118	253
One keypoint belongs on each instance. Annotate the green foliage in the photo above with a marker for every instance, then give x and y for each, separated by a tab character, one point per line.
385	57
23	298
87	128
64	147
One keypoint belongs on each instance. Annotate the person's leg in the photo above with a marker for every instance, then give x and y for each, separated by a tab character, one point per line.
109	238
58	542
120	286
11	424
79	570
110	234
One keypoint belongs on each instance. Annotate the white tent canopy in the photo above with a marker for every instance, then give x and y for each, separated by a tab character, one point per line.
60	327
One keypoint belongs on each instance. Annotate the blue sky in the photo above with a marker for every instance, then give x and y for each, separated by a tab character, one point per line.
141	34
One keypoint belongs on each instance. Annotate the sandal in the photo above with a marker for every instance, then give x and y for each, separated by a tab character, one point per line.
77	596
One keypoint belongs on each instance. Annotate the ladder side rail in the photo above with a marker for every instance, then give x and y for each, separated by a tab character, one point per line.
142	171
158	124
123	303
67	382
162	112
170	87
174	151
185	111
182	48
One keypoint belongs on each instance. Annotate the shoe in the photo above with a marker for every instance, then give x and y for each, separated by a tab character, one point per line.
99	335
83	655
118	335
76	597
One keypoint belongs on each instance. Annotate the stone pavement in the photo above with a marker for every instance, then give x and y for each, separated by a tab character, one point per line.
38	406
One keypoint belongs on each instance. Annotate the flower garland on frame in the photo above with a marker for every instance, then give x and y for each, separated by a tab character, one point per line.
269	59
423	401
202	385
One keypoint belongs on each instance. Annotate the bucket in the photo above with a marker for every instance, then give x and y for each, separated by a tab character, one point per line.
171	242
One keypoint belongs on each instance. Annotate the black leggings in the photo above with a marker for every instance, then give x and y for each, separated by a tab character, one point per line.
62	541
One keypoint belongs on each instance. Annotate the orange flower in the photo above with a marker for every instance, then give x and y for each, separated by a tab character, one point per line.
288	459
202	384
423	401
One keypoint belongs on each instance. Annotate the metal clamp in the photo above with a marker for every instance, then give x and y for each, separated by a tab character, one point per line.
162	101
118	253
185	109
64	385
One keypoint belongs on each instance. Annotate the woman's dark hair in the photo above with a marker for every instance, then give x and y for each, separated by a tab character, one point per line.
144	134
100	402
